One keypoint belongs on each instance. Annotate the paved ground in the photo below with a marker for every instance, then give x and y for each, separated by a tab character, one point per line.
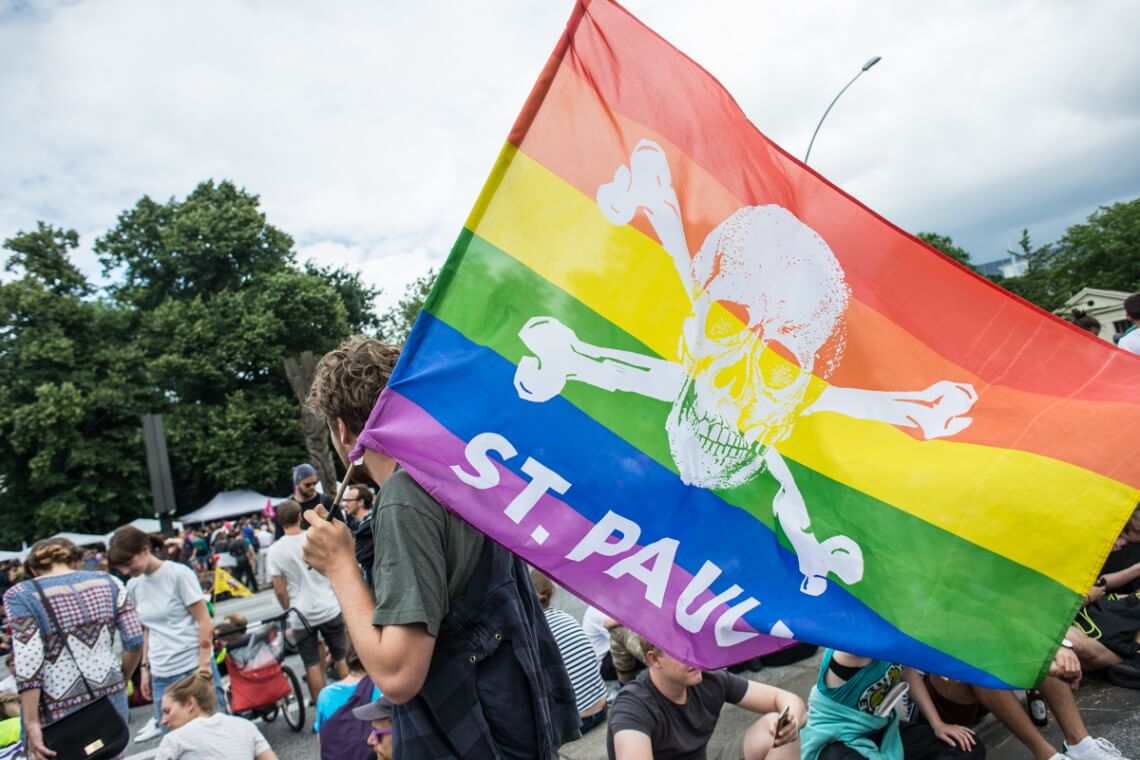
1108	711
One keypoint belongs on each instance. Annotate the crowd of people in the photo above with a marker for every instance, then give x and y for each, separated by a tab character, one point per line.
440	643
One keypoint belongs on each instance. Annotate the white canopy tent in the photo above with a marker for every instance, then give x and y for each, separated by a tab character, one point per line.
82	539
147	525
5	556
229	504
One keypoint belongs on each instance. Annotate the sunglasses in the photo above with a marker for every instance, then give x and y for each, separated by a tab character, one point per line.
308	483
378	732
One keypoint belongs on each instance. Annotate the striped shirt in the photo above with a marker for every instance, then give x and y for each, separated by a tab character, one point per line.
579	658
215	737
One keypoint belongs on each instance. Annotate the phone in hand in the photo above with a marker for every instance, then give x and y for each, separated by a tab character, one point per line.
784	719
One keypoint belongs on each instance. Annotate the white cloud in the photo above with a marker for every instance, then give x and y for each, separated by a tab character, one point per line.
369	128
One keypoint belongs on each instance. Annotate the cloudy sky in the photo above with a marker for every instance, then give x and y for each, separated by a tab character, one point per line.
368	128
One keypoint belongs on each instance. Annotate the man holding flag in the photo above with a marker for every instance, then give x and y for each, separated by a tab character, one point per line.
451	608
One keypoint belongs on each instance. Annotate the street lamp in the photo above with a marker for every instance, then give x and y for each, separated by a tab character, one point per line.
866	67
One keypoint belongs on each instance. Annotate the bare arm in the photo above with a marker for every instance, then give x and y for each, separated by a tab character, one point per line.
1121	577
632	745
763	699
205	634
266	755
34	738
129	662
144	676
396	656
281	591
953	734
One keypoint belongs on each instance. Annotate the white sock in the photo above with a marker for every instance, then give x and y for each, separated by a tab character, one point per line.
1080	747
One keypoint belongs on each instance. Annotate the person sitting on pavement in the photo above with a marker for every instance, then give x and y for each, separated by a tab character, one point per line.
852	715
197	731
335	695
963	703
1106	632
298	585
671	711
577	656
379	714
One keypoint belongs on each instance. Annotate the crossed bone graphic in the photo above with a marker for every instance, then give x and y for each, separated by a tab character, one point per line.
764	334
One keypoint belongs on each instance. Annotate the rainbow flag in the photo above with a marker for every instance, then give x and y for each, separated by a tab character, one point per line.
714	395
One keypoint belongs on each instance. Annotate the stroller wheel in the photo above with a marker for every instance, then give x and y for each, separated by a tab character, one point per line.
293	705
270	715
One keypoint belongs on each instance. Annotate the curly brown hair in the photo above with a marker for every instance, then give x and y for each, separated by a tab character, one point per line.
349	379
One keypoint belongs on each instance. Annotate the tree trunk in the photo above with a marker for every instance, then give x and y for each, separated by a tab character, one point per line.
300	372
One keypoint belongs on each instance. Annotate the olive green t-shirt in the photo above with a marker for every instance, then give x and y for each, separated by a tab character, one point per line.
424	555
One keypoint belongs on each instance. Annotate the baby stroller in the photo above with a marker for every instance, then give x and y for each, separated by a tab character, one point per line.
260	686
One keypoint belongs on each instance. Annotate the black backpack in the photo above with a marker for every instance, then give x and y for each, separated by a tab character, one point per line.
237	548
344	736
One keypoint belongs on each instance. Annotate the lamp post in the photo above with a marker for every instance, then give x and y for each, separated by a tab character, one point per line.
866	67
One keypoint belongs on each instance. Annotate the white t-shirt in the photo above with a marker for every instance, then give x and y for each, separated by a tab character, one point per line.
162	599
218	737
594	624
309	591
264	539
1131	341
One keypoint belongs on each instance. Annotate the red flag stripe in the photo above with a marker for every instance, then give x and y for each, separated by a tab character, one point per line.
577	137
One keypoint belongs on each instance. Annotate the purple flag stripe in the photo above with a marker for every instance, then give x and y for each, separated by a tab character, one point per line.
405	432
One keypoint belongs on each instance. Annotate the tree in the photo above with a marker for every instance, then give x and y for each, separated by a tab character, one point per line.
71	391
218	303
396	323
1103	252
945	244
1035	285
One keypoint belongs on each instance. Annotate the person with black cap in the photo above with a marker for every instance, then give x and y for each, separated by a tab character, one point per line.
379	714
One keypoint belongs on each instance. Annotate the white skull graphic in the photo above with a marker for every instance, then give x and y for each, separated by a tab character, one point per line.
764	334
768	295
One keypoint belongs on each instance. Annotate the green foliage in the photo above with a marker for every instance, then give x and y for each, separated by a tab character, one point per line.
71	390
396	323
1035	285
1104	252
215	240
207	303
945	244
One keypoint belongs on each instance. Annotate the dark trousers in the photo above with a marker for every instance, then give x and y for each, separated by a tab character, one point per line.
243	573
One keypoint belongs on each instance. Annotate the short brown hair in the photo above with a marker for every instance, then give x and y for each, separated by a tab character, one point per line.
348	380
198	686
647	645
289	512
128	541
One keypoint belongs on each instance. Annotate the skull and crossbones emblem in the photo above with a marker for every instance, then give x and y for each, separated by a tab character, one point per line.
765	332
